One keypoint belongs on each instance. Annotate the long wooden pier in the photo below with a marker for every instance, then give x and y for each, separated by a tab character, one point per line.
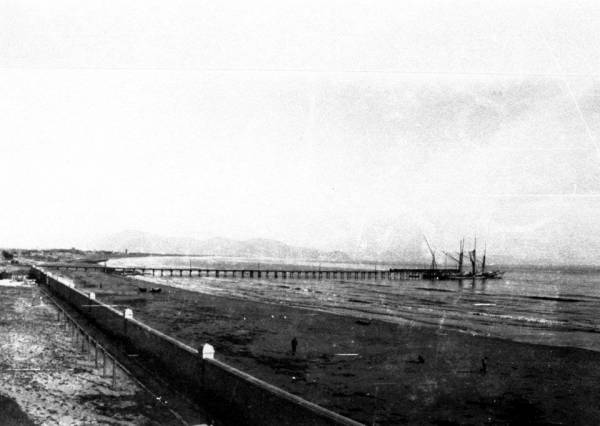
327	274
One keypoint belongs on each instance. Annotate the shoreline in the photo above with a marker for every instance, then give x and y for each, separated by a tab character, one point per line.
371	371
541	335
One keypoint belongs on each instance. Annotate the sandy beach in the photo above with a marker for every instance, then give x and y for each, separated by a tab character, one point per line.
371	370
46	380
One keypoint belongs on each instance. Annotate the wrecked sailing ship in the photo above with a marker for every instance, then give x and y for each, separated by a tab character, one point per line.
443	274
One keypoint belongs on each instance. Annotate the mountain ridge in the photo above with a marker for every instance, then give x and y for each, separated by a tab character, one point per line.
144	242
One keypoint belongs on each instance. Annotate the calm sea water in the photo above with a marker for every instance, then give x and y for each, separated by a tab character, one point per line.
546	306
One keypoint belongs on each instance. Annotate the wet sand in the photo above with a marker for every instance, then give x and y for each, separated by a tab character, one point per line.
45	379
370	371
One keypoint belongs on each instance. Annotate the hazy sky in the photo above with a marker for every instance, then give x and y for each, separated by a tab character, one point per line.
340	125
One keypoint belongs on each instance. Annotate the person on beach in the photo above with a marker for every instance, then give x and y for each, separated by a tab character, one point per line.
419	360
483	369
294	345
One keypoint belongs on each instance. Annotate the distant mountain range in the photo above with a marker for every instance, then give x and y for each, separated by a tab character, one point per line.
137	241
401	247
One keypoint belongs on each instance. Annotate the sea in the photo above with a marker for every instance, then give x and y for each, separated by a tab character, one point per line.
558	306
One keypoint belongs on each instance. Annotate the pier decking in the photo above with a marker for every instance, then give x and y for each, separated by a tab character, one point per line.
306	274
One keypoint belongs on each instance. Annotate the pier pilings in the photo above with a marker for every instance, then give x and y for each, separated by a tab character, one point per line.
306	274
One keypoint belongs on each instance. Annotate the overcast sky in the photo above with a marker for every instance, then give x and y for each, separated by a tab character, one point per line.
339	125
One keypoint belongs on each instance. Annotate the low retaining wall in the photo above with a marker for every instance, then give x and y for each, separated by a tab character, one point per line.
231	393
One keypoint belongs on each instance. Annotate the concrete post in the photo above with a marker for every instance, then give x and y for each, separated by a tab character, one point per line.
208	351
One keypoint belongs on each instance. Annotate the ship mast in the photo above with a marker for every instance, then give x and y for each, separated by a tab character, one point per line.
473	257
461	255
433	262
483	260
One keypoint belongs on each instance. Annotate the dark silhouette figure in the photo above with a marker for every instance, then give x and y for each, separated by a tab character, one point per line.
419	360
294	345
483	369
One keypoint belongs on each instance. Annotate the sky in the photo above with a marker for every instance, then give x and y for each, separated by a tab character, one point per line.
341	125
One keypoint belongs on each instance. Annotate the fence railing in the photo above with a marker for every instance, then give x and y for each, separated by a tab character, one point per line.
230	393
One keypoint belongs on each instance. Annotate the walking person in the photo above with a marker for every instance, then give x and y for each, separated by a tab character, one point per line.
294	345
483	369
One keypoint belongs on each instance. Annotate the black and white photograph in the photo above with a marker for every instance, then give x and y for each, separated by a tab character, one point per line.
299	212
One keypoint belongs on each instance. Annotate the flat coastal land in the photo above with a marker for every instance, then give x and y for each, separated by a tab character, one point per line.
373	371
46	379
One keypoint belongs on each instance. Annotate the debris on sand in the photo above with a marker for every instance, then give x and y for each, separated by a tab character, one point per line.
52	379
